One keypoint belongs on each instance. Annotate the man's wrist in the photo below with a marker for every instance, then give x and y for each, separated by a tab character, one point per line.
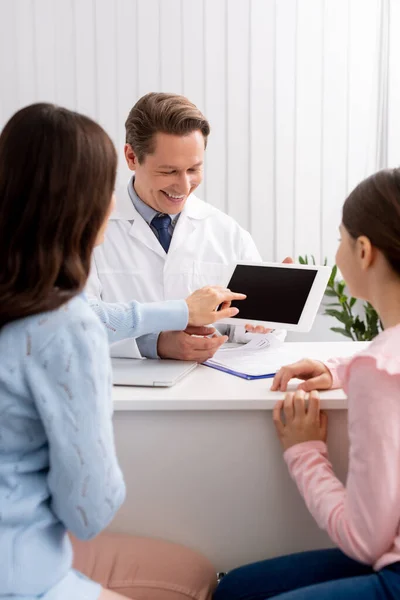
148	345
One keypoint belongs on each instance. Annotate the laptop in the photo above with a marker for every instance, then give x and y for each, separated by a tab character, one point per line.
149	372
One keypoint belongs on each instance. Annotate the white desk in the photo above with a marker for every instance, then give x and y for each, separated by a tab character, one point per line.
203	465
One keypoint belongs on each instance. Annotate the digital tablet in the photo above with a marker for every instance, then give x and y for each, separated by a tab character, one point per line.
280	296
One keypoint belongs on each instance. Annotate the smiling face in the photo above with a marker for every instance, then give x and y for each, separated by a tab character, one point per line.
166	177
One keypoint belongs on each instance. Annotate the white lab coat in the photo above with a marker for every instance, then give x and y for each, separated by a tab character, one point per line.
132	265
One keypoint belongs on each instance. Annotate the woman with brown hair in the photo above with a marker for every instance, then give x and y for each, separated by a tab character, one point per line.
58	468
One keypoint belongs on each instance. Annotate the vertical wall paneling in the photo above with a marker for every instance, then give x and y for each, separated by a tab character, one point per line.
378	143
193	51
148	33
86	64
25	71
65	57
193	57
238	157
171	46
106	59
302	95
262	125
309	126
126	74
215	109
394	86
334	119
8	71
285	125
362	118
44	20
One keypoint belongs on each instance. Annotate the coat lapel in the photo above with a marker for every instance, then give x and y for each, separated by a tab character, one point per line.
140	230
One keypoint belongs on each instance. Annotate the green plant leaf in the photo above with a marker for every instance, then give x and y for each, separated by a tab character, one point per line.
332	277
340	316
331	293
355	328
342	331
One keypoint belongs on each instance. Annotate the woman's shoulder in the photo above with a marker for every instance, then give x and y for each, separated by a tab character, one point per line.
74	318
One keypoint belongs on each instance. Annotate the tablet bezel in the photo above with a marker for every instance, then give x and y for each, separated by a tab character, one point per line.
310	308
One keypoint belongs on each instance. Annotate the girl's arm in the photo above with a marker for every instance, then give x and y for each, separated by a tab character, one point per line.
337	367
363	517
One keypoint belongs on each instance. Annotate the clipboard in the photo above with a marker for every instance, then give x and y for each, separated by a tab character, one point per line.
218	367
260	358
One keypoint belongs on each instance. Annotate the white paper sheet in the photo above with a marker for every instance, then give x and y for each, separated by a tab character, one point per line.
262	356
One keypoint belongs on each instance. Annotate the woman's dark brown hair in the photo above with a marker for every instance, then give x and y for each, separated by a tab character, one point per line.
57	175
373	210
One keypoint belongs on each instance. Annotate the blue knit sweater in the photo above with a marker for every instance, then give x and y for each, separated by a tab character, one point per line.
58	468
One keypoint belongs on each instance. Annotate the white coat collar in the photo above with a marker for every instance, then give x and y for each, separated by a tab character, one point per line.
194	211
125	211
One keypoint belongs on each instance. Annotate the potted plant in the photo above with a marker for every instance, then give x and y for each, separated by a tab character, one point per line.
359	321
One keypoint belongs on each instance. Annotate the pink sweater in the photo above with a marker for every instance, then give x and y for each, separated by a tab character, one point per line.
363	517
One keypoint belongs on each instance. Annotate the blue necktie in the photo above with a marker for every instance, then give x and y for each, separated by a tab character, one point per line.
162	223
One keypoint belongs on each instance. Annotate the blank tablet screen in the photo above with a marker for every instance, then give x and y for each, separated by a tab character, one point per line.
273	294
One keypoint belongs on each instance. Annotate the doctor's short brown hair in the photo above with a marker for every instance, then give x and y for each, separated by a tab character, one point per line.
162	113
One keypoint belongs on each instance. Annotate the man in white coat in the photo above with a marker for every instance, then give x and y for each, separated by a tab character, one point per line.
163	242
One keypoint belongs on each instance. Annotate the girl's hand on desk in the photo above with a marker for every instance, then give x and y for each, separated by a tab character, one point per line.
300	423
315	374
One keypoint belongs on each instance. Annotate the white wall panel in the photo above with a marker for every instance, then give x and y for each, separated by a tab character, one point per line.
8	60
171	49
85	52
215	98
334	119
394	86
193	63
65	54
285	126
362	87
309	126
126	73
148	34
44	50
24	52
262	126
106	65
238	118
302	95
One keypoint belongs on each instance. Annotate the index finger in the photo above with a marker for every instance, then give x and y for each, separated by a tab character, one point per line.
313	405
276	382
277	416
285	374
227	296
282	378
